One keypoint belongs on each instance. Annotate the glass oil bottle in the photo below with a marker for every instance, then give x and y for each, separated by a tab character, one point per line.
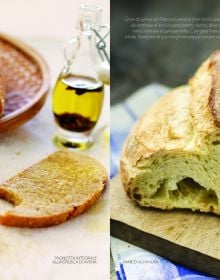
78	94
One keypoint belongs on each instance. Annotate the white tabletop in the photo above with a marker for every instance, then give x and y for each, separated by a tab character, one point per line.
28	253
54	19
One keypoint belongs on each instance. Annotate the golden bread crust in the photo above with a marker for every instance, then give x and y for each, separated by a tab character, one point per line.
214	97
183	124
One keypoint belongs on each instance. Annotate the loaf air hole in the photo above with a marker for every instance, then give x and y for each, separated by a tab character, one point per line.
161	191
136	194
189	189
215	143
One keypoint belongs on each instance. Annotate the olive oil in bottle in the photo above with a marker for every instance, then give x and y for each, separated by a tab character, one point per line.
77	103
78	94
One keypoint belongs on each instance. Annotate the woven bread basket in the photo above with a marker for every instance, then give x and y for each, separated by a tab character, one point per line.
26	78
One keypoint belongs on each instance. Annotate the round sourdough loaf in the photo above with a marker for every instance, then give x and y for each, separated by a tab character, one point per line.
171	158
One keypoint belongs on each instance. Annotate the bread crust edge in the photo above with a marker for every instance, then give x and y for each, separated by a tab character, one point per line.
12	220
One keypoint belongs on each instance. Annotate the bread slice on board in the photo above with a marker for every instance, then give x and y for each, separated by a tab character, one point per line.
60	187
171	159
2	96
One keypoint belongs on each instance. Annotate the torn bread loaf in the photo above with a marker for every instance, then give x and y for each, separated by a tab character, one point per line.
2	96
52	191
172	157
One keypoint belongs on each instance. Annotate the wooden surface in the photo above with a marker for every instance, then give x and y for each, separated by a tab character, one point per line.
32	251
191	239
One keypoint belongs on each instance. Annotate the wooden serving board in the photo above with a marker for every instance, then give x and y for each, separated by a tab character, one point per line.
188	238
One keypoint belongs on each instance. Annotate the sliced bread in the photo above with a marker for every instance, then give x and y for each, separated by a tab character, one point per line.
52	191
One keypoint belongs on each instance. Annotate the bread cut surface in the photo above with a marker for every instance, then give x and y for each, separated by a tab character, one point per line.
2	95
52	191
171	159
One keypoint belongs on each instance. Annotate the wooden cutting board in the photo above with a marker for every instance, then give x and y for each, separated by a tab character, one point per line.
188	238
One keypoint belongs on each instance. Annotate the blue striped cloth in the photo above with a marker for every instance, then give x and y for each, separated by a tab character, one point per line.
131	262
